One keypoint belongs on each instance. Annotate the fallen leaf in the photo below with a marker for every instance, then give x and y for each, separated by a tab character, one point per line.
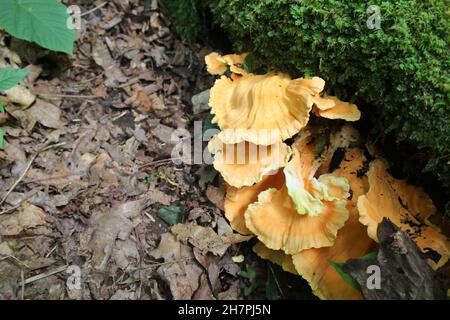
46	114
403	271
108	226
31	216
210	263
103	58
204	291
179	270
228	235
204	238
216	196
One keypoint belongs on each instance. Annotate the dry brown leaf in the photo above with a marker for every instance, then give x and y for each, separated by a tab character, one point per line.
103	58
183	274
106	227
204	238
31	216
46	114
216	196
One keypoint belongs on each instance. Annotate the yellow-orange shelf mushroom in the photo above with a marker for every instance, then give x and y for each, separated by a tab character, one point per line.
262	109
217	64
306	212
275	221
244	164
238	199
351	242
339	110
389	198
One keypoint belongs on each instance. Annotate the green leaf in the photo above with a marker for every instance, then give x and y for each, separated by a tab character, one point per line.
347	278
249	274
370	256
249	290
172	214
9	77
2	109
45	22
2	136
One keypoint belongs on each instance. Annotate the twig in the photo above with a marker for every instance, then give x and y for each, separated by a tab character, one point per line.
158	162
141	257
276	281
68	96
11	209
25	198
52	178
22	278
94	9
15	259
51	251
158	264
44	275
44	148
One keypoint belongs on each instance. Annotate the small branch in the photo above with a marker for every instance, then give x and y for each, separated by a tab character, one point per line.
94	9
158	162
44	275
22	279
276	281
7	256
67	96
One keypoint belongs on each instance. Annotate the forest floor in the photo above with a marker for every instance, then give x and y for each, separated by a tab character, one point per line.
90	192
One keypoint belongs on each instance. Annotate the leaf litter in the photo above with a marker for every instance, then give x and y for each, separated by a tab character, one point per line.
85	174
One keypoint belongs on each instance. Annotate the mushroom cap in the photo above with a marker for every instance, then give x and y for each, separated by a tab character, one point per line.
418	201
265	108
238	199
351	168
276	256
351	242
382	200
341	110
245	163
215	64
235	59
235	70
275	221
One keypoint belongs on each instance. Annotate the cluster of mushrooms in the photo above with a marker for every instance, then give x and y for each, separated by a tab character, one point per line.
314	193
